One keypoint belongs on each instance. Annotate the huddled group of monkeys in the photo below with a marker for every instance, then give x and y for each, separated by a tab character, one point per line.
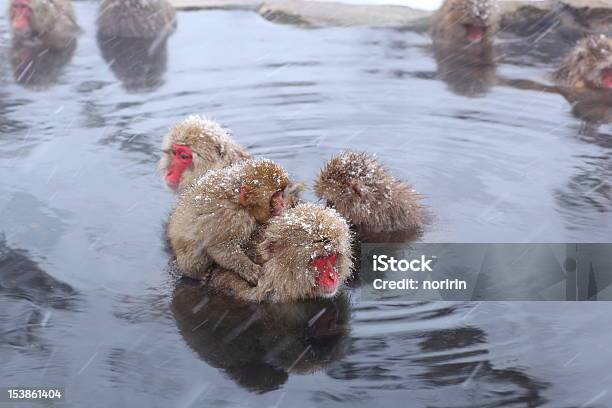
239	224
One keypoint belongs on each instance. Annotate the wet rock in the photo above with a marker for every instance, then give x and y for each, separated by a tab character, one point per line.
321	14
520	16
216	4
592	16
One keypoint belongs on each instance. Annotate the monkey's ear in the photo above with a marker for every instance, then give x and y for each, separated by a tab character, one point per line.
244	196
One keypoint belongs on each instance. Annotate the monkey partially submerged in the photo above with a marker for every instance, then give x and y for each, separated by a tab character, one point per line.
588	66
51	23
196	145
217	215
143	19
364	192
306	254
465	22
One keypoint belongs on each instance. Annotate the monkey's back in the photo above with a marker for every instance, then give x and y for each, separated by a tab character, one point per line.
149	19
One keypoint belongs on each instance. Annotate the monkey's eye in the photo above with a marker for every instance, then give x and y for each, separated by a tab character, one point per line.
325	241
184	156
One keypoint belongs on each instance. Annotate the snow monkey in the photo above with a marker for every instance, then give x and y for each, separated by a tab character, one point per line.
364	192
588	66
465	21
196	145
306	254
50	22
215	217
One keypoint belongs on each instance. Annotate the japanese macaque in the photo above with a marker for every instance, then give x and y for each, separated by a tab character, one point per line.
133	39
465	22
143	19
259	346
306	254
364	192
50	23
215	218
588	66
194	146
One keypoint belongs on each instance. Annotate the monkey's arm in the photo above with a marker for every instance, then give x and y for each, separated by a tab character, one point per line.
231	255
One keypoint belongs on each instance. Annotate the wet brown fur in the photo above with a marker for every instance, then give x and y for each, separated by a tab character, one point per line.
53	23
448	24
214	148
212	145
286	247
210	224
581	68
387	204
149	19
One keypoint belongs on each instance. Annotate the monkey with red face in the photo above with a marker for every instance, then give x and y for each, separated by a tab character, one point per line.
588	66
197	145
306	254
49	22
214	218
465	22
194	146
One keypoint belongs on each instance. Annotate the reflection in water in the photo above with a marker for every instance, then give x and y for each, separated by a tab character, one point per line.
457	357
260	345
434	352
28	295
468	71
37	67
590	188
138	63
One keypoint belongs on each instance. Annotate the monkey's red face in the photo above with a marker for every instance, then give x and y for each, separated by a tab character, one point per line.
181	158
21	11
606	78
327	279
277	203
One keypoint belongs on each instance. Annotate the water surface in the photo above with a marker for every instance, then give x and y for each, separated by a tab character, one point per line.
86	301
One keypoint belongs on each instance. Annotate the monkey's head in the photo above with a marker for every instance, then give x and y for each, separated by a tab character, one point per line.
307	253
356	184
194	146
20	14
589	65
262	187
478	19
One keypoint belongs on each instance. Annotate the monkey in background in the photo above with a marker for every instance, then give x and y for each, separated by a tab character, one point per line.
49	23
214	219
144	19
196	145
260	346
588	66
367	195
306	254
133	39
465	23
43	42
462	33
